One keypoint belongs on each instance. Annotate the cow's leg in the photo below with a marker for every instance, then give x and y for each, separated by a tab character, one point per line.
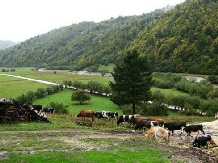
172	132
189	133
182	129
208	144
203	131
198	133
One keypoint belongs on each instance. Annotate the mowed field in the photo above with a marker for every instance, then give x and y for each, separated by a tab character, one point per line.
13	87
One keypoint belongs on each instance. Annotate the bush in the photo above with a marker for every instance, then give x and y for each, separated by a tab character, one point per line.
154	109
59	107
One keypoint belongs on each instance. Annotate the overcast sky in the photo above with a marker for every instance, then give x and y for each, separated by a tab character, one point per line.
23	19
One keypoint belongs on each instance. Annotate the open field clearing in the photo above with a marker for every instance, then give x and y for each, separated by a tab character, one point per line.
63	140
59	76
14	87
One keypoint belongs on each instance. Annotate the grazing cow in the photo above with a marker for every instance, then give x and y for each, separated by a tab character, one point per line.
160	121
175	126
101	114
193	128
202	141
36	108
124	118
145	124
137	120
112	115
106	114
49	110
86	113
157	132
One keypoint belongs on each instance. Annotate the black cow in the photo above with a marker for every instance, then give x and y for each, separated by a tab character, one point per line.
202	141
193	128
37	107
145	124
49	110
175	126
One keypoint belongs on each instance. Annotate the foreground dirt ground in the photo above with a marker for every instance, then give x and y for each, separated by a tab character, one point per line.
180	148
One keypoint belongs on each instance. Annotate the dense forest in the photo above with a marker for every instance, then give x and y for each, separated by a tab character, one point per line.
179	39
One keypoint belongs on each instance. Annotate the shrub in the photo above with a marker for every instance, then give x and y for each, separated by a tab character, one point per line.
59	107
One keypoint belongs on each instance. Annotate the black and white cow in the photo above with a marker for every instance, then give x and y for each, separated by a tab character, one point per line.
202	141
145	124
171	126
49	110
36	108
106	114
127	118
112	115
124	118
193	128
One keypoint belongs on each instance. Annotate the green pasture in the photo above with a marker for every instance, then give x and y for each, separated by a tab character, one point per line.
96	103
11	87
170	92
59	76
137	150
109	68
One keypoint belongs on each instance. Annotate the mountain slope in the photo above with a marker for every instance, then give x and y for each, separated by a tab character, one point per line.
183	39
6	44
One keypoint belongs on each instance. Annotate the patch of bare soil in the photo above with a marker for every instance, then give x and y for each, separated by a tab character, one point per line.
180	149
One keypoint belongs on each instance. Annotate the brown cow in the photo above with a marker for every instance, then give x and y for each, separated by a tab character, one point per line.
137	120
86	113
160	121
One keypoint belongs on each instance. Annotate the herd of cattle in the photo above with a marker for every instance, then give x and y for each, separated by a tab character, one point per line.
152	127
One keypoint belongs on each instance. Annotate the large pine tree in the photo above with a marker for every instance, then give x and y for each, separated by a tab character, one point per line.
132	80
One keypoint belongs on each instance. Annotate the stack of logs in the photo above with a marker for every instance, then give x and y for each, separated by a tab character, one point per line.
13	111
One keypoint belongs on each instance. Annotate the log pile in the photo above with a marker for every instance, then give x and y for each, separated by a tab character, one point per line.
13	111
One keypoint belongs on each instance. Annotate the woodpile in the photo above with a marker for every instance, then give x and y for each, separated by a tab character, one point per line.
13	111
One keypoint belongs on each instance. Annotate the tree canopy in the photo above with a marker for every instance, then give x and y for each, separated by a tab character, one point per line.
80	96
132	80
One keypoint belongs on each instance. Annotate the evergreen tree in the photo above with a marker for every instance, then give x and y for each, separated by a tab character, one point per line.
132	80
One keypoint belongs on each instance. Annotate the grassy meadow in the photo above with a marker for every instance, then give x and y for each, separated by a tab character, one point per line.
96	103
19	145
13	87
57	77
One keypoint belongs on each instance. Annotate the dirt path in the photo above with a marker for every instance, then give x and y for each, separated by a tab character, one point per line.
177	151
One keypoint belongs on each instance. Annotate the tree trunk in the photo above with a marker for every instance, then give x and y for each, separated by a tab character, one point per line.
133	108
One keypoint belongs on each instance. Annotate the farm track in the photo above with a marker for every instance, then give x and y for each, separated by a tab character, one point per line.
179	149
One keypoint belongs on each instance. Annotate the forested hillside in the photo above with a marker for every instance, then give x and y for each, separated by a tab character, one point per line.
184	39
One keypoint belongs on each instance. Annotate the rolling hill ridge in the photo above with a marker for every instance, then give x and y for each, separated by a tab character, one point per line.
182	39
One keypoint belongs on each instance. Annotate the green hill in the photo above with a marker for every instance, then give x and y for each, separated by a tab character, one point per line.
183	39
